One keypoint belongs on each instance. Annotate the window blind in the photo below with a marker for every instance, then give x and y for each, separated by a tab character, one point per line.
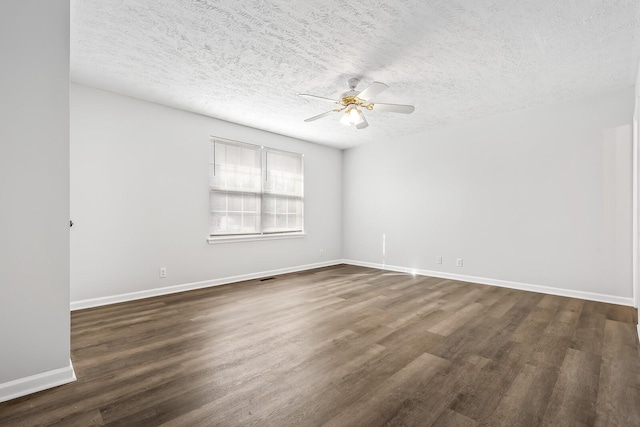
283	192
254	190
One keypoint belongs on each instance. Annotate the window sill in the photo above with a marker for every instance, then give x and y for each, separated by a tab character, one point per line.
254	238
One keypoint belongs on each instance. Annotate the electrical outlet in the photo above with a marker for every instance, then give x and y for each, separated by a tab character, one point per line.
459	262
163	272
438	259
321	252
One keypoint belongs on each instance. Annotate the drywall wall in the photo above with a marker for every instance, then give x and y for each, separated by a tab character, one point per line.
140	200
539	197
34	196
636	199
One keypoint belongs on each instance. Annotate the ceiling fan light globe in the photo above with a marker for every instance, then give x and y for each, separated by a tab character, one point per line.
354	116
345	119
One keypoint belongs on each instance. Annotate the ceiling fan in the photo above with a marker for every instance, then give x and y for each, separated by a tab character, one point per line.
352	102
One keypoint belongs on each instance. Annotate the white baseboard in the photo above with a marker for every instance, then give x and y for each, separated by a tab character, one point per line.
638	326
34	383
114	299
612	299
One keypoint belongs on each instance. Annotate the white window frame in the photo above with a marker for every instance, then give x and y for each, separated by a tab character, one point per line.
261	235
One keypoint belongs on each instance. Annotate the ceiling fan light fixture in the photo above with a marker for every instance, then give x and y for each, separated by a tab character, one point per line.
355	117
352	116
345	119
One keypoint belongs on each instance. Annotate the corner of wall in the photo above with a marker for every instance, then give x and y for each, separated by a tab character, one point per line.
590	296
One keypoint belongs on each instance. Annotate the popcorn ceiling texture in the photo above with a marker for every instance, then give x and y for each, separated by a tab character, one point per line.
455	60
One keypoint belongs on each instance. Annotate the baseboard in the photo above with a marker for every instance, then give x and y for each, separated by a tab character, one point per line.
612	299
638	327
114	299
34	383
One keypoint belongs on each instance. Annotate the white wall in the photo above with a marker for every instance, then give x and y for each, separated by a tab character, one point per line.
532	199
34	196
139	186
636	198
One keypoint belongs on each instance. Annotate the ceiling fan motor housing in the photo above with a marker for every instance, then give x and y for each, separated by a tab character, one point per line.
349	97
350	93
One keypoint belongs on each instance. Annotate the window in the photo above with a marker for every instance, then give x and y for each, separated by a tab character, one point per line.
254	191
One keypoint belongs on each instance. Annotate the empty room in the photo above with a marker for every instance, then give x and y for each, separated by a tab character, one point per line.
261	212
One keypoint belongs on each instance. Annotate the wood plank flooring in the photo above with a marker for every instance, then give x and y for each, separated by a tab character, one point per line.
347	346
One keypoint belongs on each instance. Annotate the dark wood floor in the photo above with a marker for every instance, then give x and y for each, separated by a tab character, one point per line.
346	346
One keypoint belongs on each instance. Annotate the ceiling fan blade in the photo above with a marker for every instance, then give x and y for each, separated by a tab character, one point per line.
394	108
319	116
363	124
373	90
306	95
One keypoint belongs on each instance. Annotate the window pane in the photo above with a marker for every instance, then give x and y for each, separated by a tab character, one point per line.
218	201
294	221
292	206
250	202
250	223
268	222
226	223
235	202
281	222
268	204
234	213
235	223
281	214
281	205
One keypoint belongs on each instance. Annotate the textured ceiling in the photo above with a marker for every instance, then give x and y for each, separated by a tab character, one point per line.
246	61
